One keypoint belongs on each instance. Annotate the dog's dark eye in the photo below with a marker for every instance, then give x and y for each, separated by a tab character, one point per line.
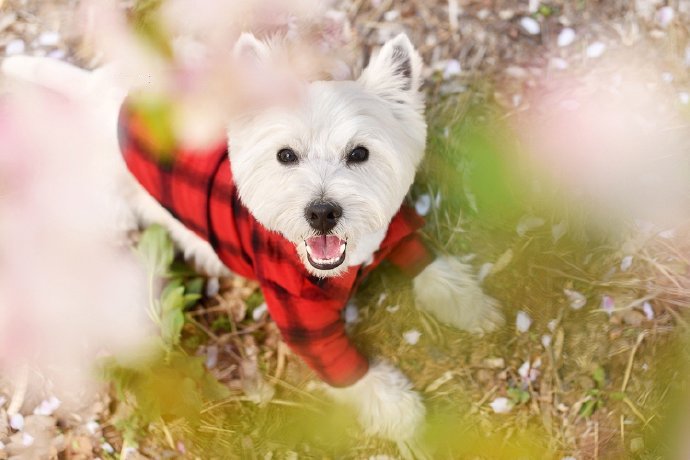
358	155
287	156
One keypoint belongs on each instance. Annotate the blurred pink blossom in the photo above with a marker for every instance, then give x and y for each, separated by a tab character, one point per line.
70	290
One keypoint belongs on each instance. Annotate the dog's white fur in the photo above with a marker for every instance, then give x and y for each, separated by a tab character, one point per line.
382	110
448	289
385	402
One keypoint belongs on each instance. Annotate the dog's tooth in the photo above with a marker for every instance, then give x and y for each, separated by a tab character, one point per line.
342	248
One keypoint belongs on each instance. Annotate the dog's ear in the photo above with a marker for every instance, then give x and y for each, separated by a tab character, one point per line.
395	73
250	49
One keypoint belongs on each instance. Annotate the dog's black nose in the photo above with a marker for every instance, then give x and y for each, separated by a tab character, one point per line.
323	216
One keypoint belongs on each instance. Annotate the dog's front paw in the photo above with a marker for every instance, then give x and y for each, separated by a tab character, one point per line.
386	404
448	290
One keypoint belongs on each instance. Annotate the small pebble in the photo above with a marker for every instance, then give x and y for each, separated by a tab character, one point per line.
546	340
17	421
576	299
665	16
452	69
530	25
423	204
531	372
49	39
27	439
107	448
351	314
494	363
57	54
14	47
501	405
259	311
412	336
607	304
211	356
626	263
391	15
47	407
92	426
648	310
566	37
483	14
523	321
595	50
212	287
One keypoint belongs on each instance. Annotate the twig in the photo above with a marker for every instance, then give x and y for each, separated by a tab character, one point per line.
635	410
596	440
168	435
19	391
486	396
631	359
208	331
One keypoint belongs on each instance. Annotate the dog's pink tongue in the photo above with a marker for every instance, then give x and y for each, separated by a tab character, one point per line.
324	246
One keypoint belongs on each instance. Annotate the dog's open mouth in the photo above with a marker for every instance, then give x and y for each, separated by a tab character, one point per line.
325	252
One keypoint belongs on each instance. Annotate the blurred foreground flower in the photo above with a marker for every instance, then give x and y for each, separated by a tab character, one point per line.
70	290
180	53
613	139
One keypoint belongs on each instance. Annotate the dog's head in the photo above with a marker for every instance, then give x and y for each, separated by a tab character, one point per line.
334	167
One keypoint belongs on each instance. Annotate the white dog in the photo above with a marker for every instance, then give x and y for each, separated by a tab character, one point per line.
326	177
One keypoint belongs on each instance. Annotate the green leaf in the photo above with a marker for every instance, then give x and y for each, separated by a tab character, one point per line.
618	396
545	11
518	396
156	249
254	300
172	298
171	327
589	407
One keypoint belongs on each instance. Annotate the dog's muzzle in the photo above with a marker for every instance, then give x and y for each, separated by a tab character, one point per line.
324	251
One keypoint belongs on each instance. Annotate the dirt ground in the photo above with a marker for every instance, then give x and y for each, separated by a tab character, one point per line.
592	361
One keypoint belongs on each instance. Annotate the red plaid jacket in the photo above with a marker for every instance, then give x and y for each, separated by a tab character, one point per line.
197	188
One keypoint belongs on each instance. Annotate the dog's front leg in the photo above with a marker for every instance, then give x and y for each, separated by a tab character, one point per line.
385	402
448	289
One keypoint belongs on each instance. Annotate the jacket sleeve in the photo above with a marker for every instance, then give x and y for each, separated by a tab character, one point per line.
404	246
311	325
